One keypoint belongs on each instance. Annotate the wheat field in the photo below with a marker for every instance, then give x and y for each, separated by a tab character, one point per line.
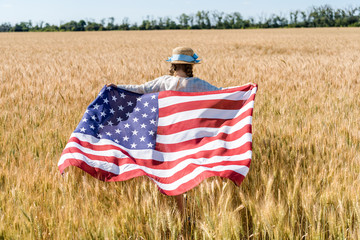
304	179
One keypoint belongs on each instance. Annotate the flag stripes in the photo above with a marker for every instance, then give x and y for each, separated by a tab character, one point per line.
199	135
195	123
225	148
201	132
202	141
194	105
108	157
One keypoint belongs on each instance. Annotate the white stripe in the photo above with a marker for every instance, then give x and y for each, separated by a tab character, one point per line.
161	173
152	154
201	132
203	113
239	95
243	170
198	113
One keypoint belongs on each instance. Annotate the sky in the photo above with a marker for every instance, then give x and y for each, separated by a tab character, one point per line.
57	12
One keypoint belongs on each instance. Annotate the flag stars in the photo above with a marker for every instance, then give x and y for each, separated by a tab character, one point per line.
87	111
108	88
130	122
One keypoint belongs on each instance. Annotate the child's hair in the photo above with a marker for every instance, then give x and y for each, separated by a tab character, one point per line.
187	68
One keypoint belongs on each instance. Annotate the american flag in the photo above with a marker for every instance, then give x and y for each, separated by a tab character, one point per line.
177	139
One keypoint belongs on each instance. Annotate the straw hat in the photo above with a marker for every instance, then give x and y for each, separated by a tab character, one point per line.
183	55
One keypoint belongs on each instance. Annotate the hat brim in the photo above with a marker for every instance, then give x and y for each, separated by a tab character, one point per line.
183	62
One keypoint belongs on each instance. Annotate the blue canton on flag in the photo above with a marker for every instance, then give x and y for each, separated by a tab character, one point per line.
124	117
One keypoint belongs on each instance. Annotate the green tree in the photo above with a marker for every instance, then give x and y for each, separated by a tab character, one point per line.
206	23
218	16
110	25
22	27
184	21
5	27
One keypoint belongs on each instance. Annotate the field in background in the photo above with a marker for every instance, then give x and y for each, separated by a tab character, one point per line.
304	180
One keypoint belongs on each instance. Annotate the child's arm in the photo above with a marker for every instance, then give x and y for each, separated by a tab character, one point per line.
148	87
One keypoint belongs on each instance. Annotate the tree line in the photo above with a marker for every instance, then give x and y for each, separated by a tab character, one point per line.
322	16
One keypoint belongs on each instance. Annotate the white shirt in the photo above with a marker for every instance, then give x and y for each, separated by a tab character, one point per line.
167	82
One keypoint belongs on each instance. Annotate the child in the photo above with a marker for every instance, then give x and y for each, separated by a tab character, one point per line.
180	79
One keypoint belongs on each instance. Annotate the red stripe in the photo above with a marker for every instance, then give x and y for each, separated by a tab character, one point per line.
195	143
245	88
161	164
110	177
203	104
201	122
